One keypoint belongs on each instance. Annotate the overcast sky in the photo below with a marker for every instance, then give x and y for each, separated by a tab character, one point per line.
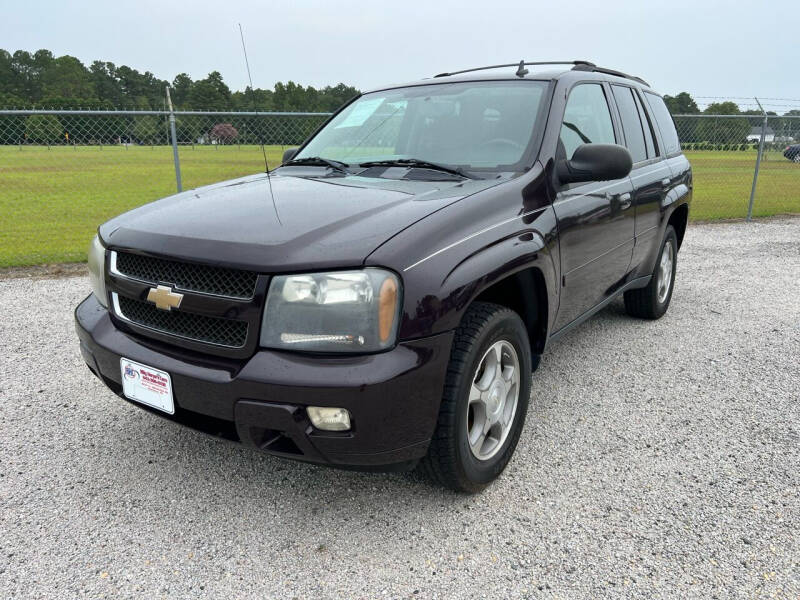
709	48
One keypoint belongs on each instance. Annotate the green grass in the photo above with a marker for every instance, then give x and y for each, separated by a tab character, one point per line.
723	180
52	200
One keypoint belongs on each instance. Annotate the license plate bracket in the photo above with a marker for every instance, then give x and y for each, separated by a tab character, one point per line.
147	385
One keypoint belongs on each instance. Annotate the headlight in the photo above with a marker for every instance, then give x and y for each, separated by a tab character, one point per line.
342	311
97	274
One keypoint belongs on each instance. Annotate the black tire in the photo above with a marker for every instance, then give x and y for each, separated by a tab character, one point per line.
644	303
450	461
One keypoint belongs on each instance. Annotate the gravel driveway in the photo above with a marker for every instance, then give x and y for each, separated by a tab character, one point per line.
660	459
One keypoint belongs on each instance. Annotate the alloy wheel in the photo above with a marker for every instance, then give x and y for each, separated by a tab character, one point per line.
665	271
493	399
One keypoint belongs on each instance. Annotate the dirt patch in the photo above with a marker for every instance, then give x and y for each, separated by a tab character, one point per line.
769	219
52	271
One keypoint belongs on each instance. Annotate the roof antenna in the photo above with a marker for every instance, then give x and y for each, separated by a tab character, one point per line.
261	139
522	71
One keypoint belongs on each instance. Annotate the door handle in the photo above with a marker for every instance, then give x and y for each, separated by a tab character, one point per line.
625	201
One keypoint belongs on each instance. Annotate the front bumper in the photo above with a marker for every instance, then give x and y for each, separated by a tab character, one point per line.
393	397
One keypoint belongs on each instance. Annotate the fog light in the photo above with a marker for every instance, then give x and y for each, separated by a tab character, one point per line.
329	418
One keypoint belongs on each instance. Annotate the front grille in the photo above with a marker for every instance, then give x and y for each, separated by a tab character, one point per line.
205	279
210	330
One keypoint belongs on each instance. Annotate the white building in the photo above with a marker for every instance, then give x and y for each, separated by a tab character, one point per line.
755	134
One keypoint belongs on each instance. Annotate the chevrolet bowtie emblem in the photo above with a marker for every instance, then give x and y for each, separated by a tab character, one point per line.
164	298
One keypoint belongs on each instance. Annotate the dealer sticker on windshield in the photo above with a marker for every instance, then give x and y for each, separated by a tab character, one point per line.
147	385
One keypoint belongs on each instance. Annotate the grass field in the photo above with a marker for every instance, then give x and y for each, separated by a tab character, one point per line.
723	180
51	200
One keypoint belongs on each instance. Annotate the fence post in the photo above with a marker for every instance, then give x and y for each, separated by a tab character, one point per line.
174	137
758	162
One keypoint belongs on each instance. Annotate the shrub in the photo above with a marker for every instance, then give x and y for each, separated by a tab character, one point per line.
43	129
224	133
147	130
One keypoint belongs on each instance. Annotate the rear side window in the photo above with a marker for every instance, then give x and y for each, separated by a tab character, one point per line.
665	123
587	119
648	128
631	124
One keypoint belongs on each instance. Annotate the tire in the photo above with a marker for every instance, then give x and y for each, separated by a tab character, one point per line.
796	158
652	301
486	332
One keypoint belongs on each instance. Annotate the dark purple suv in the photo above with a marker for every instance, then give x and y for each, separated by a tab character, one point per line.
381	300
793	153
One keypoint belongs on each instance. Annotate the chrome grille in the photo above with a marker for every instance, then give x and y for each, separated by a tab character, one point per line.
205	279
210	330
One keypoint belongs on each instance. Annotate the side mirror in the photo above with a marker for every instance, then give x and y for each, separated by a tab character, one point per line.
289	154
595	162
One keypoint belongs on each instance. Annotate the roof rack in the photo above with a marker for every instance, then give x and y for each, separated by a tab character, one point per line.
577	65
520	64
595	69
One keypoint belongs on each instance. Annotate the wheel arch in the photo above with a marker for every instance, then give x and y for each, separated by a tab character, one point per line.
679	219
505	274
524	292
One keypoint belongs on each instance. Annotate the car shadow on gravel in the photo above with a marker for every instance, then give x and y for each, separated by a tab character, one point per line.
159	454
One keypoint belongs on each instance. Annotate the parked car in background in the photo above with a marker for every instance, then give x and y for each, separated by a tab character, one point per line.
382	300
793	153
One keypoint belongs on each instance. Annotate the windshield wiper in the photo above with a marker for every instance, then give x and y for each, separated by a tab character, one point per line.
318	161
415	163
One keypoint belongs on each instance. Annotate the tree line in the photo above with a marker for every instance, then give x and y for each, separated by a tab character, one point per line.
731	133
43	80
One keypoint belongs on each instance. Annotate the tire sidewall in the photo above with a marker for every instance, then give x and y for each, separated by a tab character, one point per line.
505	326
669	238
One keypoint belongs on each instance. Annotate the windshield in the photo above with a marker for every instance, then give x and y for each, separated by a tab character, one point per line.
470	125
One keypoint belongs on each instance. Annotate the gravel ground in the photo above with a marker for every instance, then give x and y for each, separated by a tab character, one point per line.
660	459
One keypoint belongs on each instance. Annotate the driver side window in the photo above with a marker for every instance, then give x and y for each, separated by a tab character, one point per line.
587	119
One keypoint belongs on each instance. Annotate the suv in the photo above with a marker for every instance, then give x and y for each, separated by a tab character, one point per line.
381	299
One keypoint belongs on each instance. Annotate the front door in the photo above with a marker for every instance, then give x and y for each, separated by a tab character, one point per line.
595	219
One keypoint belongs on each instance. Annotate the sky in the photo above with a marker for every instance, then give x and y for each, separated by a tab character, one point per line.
706	47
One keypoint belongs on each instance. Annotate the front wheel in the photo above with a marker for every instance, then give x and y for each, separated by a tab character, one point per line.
652	301
485	399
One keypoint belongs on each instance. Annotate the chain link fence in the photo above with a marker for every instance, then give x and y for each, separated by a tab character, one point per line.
64	172
743	165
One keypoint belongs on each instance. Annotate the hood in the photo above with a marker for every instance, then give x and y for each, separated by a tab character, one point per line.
313	223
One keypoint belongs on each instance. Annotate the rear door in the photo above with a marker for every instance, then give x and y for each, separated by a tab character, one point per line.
595	219
650	175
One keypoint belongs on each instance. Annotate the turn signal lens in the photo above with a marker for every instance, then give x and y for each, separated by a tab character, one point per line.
387	309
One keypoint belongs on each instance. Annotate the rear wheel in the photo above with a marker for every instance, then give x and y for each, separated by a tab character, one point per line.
485	399
652	301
